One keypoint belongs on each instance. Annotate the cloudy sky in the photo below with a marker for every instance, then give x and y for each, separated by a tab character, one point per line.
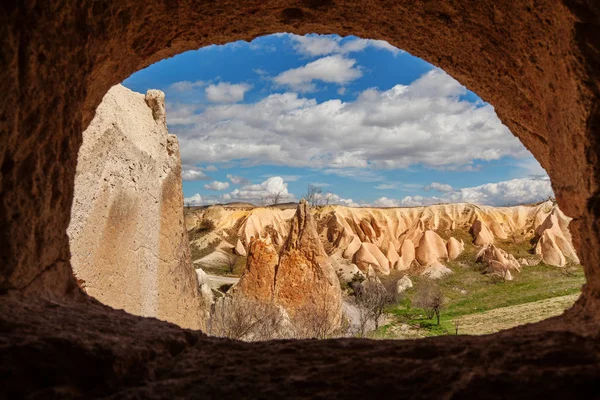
368	123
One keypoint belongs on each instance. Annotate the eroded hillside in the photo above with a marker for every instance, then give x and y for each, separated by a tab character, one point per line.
462	245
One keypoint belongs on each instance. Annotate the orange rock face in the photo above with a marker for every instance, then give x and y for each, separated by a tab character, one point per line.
301	277
258	279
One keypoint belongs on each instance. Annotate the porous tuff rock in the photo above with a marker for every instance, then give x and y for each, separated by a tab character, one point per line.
300	276
305	276
407	255
481	233
239	249
455	248
403	284
498	261
436	270
59	60
554	240
258	279
369	255
128	240
340	227
431	249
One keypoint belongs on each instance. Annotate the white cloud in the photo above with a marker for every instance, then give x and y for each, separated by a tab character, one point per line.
321	184
333	199
515	191
385	202
321	45
184	86
216	185
193	175
195	200
331	69
532	168
439	187
225	92
364	175
425	122
262	192
211	168
386	186
237	180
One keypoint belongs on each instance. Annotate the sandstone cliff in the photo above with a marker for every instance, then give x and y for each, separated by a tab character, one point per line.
129	246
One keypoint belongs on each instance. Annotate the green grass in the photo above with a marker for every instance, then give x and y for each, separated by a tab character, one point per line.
468	290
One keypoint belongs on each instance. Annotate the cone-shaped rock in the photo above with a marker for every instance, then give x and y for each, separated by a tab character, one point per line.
431	248
305	277
258	279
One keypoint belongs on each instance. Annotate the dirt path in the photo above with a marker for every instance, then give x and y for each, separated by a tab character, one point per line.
508	317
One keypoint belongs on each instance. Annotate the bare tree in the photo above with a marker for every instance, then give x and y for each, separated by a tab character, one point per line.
317	319
457	323
430	298
371	300
276	197
241	318
328	198
313	195
231	261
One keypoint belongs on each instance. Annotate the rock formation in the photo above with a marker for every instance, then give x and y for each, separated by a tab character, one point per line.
300	278
455	248
239	249
431	248
398	238
498	261
403	284
554	240
407	255
482	234
128	241
258	279
369	255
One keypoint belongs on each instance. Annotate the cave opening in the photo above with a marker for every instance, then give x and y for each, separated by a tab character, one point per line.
536	63
429	216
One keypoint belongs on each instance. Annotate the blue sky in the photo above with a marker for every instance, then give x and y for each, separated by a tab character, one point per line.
368	123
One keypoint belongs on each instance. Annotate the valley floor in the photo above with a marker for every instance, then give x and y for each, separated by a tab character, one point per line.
483	323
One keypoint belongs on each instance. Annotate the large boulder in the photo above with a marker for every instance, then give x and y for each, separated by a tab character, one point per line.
369	255
481	233
128	237
403	284
432	248
455	248
554	244
498	261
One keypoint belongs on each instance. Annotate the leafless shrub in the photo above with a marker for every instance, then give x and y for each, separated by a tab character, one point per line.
430	298
313	195
276	198
318	319
230	262
372	298
241	318
457	322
